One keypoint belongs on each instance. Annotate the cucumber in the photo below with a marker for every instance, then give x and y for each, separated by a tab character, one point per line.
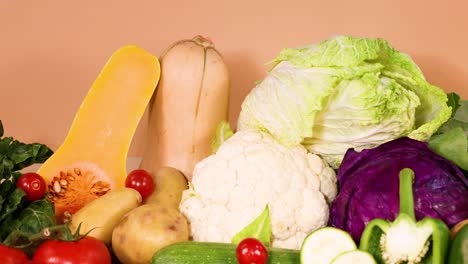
354	257
458	253
215	253
324	244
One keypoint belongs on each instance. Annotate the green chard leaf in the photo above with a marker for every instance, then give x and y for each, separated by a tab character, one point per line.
260	228
17	214
34	218
12	203
24	155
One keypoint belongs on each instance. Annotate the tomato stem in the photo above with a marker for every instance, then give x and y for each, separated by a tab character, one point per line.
20	239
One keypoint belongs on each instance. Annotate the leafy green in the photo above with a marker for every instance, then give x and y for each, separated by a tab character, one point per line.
32	219
453	102
344	93
17	214
451	140
459	119
11	204
260	228
223	132
453	145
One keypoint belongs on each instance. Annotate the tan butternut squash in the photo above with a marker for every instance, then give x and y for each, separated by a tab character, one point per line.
191	99
92	159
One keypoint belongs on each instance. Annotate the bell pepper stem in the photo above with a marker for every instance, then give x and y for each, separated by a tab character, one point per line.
406	193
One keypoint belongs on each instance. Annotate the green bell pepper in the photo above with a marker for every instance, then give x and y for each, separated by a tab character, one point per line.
459	248
405	240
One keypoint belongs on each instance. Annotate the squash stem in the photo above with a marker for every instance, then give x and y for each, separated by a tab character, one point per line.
203	41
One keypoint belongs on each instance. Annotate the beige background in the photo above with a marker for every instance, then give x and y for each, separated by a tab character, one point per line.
51	51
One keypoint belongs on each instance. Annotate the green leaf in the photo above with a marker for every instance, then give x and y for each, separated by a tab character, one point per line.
223	132
451	141
35	217
25	155
17	214
12	203
453	101
260	228
452	145
8	185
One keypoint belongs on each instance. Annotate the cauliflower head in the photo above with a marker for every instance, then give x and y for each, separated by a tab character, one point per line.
230	188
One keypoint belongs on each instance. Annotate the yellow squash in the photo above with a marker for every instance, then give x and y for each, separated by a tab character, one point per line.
92	159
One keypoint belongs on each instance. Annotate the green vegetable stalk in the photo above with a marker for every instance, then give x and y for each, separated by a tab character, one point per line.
405	240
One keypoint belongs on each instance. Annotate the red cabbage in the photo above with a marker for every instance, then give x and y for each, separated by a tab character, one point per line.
368	183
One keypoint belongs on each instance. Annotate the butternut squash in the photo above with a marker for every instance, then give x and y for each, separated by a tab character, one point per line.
191	99
92	159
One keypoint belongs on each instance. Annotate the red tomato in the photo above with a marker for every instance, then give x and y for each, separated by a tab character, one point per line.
33	185
9	255
141	181
251	251
87	250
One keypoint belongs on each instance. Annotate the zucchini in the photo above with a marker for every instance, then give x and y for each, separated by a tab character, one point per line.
324	244
215	253
354	257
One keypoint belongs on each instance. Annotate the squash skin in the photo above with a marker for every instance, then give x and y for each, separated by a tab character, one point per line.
192	98
103	128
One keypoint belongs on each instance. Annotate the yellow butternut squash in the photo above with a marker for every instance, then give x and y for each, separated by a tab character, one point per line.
92	159
191	99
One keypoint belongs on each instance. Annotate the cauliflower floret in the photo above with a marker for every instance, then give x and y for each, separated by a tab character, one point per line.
231	188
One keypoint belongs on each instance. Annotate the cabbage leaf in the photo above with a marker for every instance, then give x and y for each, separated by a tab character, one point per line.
344	93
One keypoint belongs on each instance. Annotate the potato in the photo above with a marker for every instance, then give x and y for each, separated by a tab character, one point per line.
170	183
103	214
145	230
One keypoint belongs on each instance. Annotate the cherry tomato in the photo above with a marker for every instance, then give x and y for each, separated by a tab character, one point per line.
251	251
141	181
33	185
87	250
9	255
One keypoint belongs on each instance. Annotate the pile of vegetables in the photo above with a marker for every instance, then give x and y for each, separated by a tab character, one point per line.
343	153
